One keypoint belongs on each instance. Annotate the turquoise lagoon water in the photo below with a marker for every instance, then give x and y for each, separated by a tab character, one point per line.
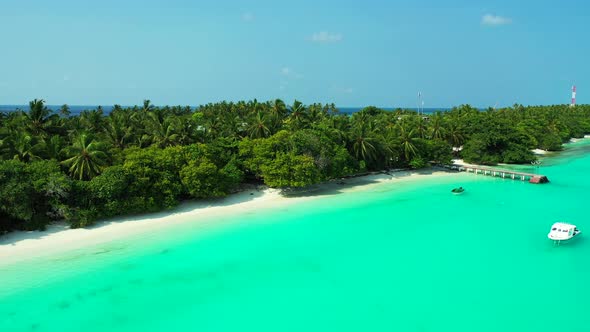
398	257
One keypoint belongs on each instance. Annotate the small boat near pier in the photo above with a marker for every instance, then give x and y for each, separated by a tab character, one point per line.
458	191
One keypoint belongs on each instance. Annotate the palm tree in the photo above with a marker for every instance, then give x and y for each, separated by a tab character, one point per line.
187	130
38	117
298	117
92	120
454	134
277	111
254	106
4	148
87	157
147	106
24	147
118	129
53	147
162	129
259	127
228	121
363	143
337	127
278	108
316	113
143	140
64	110
436	126
407	139
213	128
330	109
421	129
139	121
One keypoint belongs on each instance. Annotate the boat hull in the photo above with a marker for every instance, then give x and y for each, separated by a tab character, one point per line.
565	240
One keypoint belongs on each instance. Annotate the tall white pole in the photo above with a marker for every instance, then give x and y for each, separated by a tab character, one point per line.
422	106
420	103
573	96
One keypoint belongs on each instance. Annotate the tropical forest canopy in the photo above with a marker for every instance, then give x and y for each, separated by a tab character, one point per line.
139	159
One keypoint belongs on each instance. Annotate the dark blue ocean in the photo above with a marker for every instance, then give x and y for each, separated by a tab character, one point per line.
77	109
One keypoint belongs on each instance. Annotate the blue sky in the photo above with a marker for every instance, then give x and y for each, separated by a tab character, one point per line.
353	53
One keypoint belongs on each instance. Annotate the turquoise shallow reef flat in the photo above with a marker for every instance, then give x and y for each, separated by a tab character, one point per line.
399	257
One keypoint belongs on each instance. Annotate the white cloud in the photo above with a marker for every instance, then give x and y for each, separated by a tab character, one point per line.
489	19
247	17
290	73
341	90
326	37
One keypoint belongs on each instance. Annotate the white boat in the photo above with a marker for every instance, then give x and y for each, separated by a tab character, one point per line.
561	231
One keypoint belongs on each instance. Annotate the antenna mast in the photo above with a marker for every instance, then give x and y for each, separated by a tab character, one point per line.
573	104
420	103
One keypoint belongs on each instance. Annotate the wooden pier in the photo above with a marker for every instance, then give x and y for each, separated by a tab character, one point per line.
505	174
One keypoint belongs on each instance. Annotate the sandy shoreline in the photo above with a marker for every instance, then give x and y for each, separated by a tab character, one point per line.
540	152
58	238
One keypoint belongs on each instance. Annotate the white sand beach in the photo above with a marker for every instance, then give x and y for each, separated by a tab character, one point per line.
575	140
540	152
19	246
461	162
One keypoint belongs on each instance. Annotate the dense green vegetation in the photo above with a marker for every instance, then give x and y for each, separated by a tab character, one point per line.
79	168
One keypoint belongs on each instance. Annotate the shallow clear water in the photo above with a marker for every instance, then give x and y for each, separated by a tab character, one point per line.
399	257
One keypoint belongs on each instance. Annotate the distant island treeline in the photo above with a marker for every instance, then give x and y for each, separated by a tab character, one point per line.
56	164
77	109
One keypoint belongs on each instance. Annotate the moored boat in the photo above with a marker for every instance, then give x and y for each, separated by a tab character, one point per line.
458	191
561	231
